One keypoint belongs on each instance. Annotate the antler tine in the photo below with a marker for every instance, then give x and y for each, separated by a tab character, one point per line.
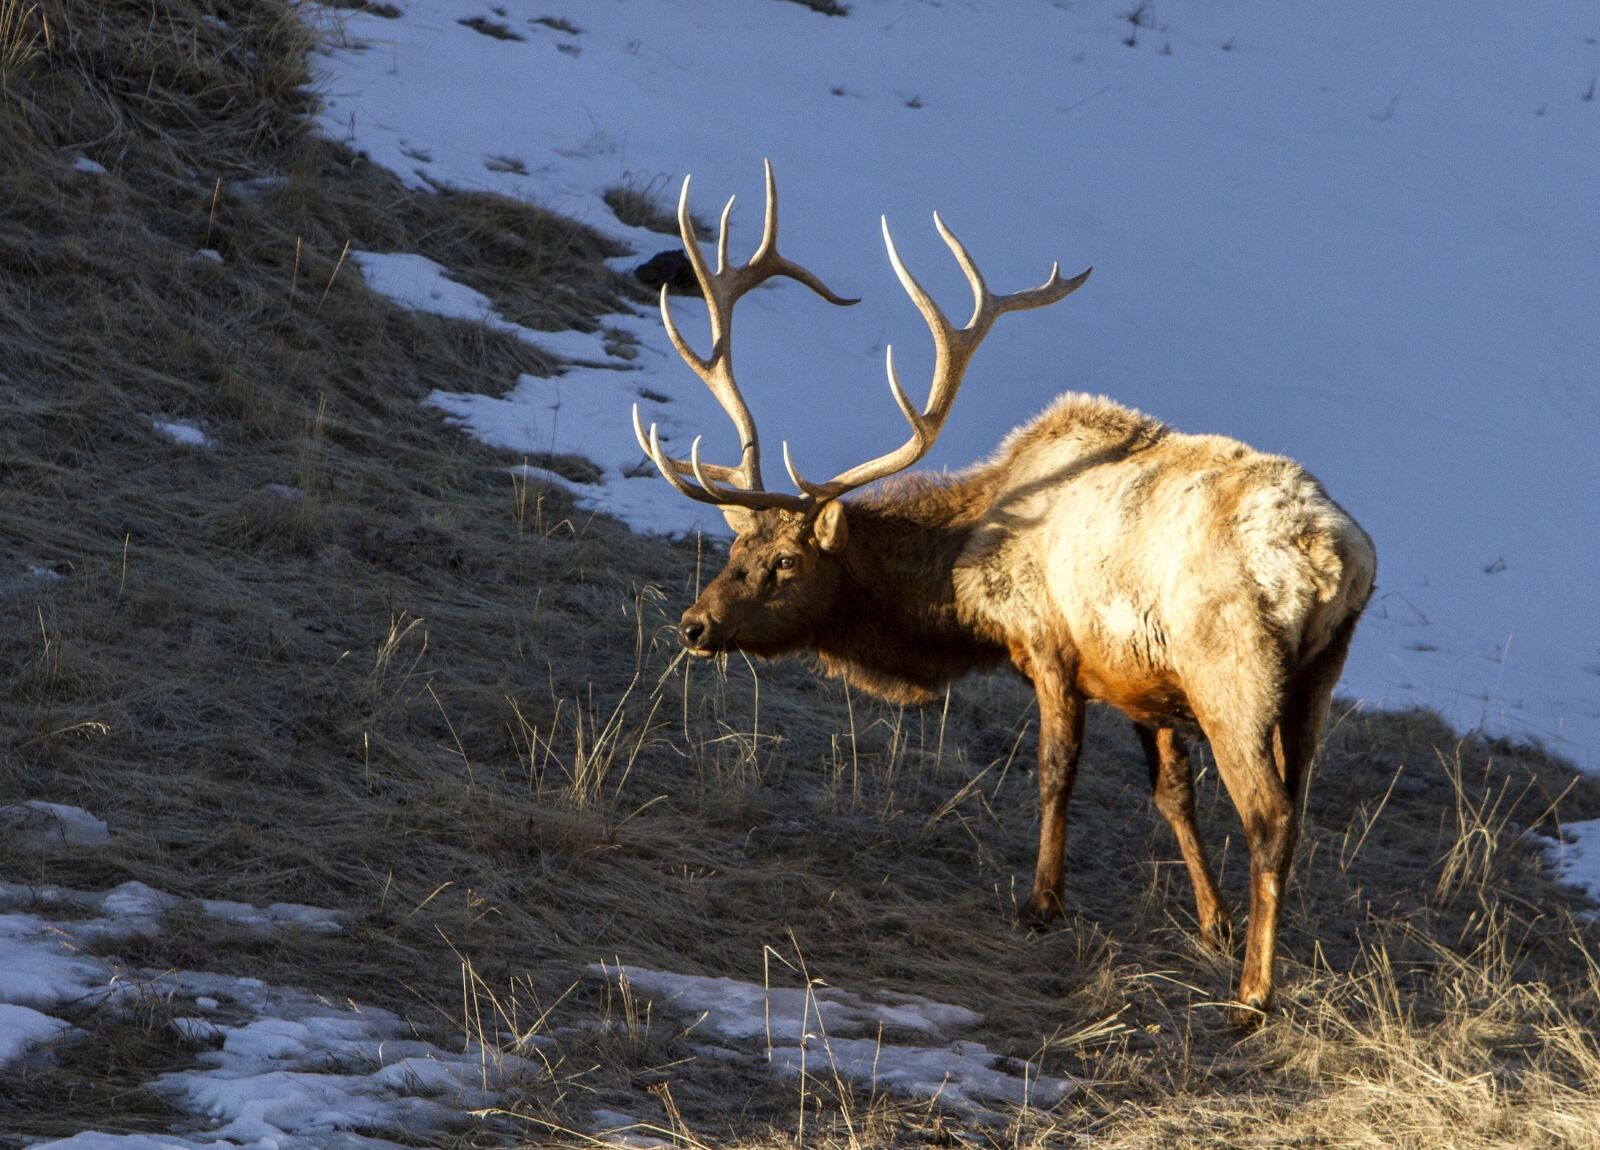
767	262
672	470
681	468
665	464
986	307
980	290
722	236
814	492
691	243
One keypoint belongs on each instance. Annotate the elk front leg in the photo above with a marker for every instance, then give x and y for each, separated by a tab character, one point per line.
1060	736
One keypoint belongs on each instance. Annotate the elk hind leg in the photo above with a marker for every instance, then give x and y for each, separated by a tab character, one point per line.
1245	760
1172	785
1306	710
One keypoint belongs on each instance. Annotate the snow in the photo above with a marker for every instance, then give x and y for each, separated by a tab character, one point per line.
134	910
813	1032
530	474
1361	235
16	585
183	434
38	968
22	1027
282	1067
93	1140
1576	857
418	283
277	915
613	1128
302	1066
735	1009
962	1075
35	825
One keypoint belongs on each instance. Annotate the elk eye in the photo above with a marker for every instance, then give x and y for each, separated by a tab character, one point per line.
785	563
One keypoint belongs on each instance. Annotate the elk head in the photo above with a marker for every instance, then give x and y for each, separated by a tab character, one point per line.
785	567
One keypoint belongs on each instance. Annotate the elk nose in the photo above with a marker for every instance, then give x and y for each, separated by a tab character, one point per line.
691	630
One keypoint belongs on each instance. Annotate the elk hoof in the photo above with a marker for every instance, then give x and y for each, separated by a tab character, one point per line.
1250	1012
1039	911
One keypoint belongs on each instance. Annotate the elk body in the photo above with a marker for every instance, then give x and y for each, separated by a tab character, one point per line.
1196	585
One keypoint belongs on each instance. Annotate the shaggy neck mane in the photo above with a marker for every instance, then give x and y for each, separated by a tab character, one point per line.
896	629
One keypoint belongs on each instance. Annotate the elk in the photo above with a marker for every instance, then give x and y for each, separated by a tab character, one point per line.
1195	584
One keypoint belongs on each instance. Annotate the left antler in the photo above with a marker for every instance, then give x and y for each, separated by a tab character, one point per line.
722	291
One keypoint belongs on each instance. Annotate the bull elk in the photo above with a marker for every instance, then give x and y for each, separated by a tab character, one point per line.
1191	582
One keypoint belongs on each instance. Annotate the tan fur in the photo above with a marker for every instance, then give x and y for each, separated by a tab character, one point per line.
1190	581
1161	554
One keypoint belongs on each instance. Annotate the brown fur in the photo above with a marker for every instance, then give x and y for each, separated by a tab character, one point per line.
1188	581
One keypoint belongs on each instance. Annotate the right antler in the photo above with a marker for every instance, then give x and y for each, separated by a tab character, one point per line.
721	292
953	348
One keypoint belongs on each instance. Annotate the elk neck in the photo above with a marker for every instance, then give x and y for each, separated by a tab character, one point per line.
896	629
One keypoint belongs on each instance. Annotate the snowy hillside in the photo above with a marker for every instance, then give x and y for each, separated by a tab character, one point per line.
1362	235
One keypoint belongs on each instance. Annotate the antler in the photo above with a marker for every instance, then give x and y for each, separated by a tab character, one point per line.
722	291
953	348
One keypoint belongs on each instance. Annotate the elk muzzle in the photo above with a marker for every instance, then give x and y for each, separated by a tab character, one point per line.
698	632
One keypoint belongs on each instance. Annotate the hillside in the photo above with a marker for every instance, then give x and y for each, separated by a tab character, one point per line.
398	762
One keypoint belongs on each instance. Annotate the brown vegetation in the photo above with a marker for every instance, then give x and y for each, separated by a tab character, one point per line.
440	700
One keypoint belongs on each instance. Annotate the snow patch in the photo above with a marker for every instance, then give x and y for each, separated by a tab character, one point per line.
279	914
295	1067
39	966
134	910
963	1075
34	575
420	284
183	434
528	473
1576	858
37	825
735	1009
812	1032
22	1028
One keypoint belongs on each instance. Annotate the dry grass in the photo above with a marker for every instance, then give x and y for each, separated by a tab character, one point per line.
343	658
648	203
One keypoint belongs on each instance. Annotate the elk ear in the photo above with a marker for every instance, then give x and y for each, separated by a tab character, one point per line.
741	519
829	527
